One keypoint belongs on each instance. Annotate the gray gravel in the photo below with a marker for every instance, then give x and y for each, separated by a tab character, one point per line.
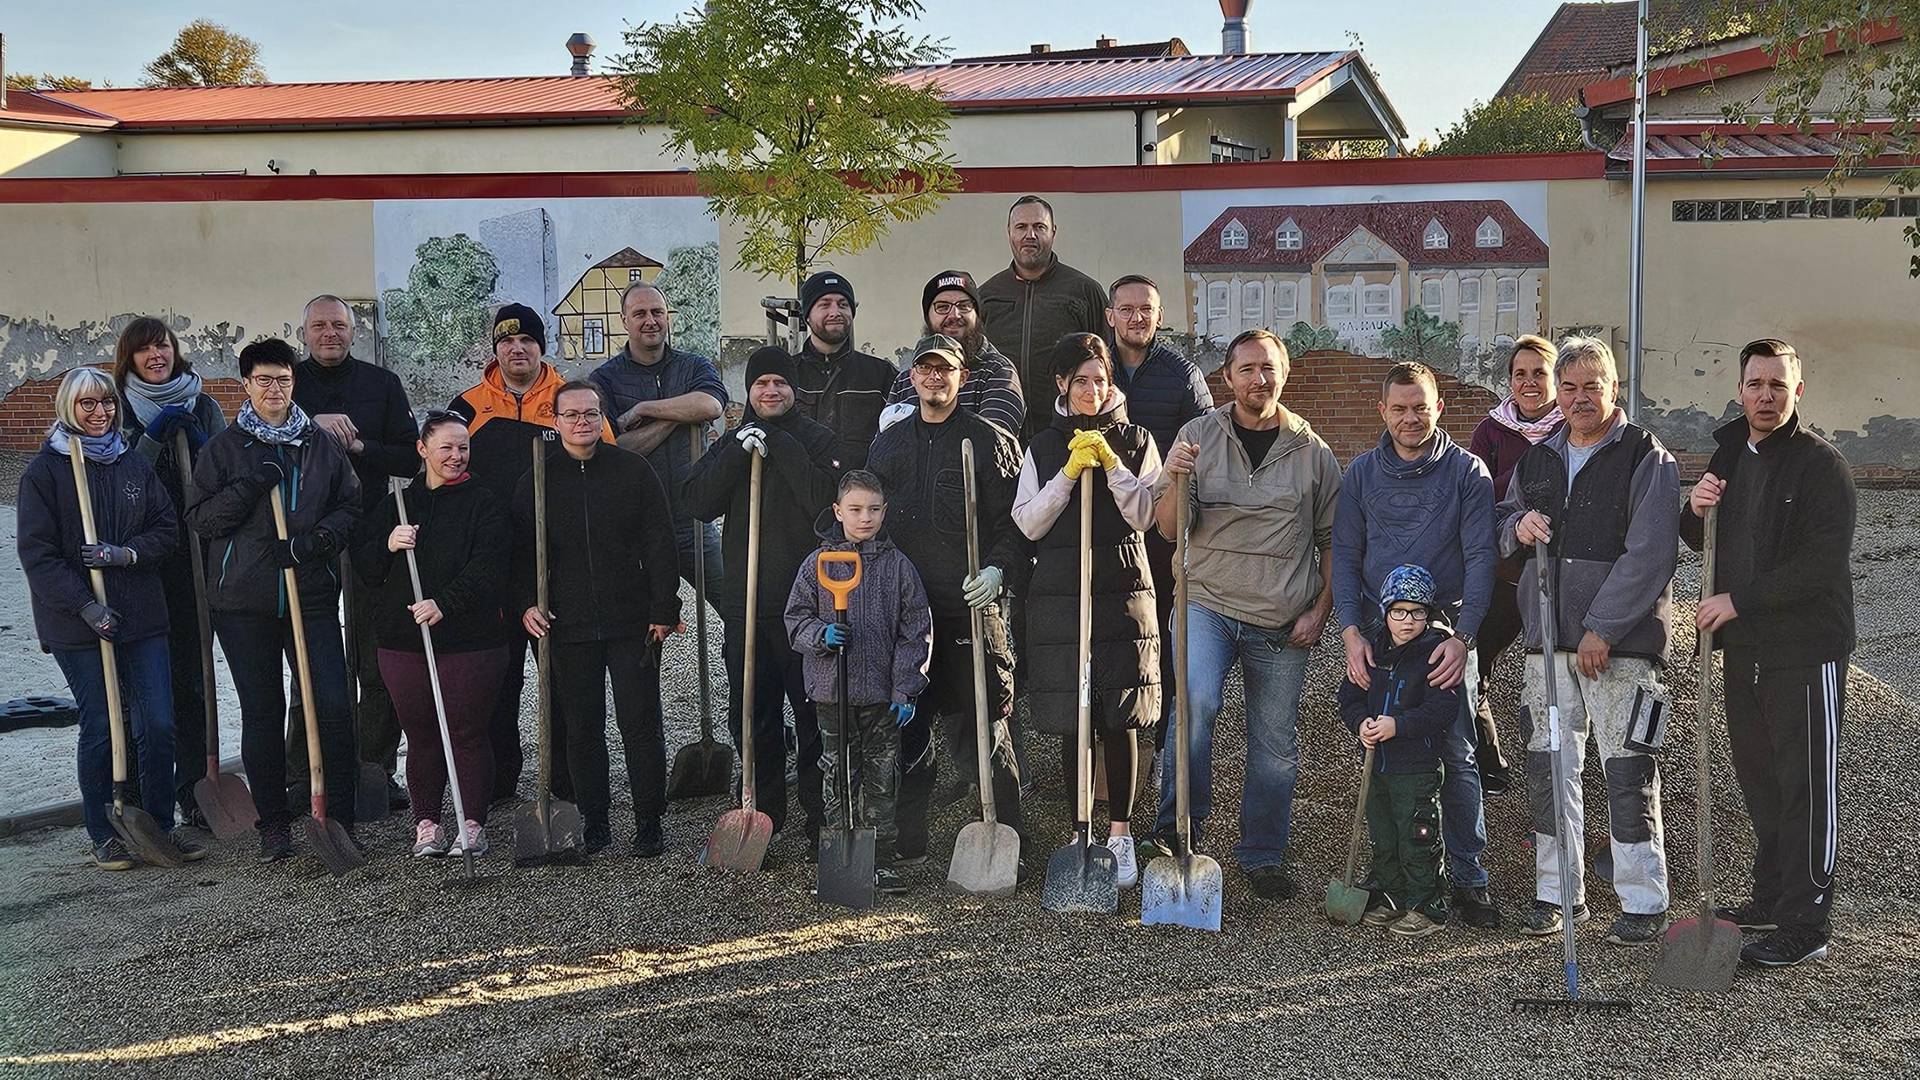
664	968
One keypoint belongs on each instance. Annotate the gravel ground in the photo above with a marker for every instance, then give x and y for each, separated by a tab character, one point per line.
665	968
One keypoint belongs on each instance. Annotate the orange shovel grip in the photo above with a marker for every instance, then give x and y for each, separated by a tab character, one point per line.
840	589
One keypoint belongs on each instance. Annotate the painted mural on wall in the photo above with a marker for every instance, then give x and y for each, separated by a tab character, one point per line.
443	265
1445	274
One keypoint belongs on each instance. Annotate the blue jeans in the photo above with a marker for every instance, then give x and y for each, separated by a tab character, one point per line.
146	680
1463	817
1273	672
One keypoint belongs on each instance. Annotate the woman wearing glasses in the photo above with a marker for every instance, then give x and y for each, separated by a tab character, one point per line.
136	531
162	398
458	532
274	444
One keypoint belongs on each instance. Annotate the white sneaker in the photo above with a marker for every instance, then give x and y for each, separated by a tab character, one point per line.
476	837
1128	868
428	841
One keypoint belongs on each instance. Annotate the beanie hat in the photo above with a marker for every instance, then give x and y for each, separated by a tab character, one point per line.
1407	585
945	280
769	360
941	345
824	283
519	319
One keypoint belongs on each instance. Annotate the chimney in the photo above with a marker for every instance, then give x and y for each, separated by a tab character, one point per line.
1104	43
581	46
1233	35
1039	49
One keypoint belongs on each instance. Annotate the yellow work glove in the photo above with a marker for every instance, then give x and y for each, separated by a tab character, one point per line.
1097	443
1080	459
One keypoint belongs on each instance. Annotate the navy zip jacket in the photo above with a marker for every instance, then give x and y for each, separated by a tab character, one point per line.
1421	712
1163	393
131	509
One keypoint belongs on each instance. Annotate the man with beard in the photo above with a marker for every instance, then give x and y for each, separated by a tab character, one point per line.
918	460
833	383
1036	301
951	305
1420	498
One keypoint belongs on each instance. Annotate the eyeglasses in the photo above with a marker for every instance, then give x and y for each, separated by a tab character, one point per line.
1407	614
934	369
284	382
1129	314
96	404
943	308
576	416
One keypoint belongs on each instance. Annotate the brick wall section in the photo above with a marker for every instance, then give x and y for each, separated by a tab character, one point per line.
27	412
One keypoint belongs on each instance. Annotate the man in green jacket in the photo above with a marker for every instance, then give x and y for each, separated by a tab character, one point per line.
1036	301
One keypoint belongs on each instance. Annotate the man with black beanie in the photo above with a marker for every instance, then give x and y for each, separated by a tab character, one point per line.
797	484
834	383
950	304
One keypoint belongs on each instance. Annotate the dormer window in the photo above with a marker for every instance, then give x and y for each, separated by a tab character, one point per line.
1489	234
1288	236
1435	237
1233	237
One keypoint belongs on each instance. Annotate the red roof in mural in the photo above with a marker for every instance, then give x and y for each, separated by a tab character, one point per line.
1402	225
1022	84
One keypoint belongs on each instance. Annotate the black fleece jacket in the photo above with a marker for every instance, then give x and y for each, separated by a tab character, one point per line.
1421	713
374	400
463	548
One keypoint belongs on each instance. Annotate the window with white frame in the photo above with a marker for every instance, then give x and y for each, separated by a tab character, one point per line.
1339	301
1233	236
1469	296
1435	237
1288	236
1286	300
594	337
1430	295
1253	301
1375	301
1217	302
635	277
1507	294
1489	234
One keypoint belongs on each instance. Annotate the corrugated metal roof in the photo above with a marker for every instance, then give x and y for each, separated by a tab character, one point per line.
1690	143
1155	79
36	108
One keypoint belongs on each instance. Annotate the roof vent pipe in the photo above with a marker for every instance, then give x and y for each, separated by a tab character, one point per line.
581	46
1233	34
1104	43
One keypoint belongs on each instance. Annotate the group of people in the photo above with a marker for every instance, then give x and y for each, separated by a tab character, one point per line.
1421	551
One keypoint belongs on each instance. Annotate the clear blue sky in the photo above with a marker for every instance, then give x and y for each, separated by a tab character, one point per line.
1434	58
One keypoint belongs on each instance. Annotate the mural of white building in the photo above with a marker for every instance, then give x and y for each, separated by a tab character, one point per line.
1356	269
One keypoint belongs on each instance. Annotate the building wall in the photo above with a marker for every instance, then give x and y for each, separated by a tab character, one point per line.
33	152
1186	134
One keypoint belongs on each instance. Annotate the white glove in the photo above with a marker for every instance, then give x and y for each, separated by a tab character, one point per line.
893	414
982	588
753	440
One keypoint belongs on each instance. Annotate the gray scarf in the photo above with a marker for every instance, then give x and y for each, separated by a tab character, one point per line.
99	449
147	399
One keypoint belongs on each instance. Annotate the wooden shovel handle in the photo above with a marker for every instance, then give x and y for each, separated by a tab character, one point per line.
316	766
109	666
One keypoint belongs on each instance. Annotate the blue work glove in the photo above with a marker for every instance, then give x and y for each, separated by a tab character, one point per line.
902	713
983	588
175	418
98	556
835	635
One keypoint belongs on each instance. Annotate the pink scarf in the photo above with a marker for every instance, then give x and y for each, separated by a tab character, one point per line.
1507	415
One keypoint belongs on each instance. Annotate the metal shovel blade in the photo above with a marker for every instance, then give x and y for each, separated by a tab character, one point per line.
846	868
1346	903
370	801
986	859
228	806
143	835
1181	892
556	839
700	769
1082	877
1699	954
739	840
330	842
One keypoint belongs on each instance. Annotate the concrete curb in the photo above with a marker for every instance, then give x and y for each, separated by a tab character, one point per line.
61	814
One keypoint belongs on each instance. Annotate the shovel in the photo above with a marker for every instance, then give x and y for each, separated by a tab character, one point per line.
222	797
846	854
549	830
1347	903
703	768
433	680
986	854
1183	889
1083	875
740	838
1573	1002
370	800
135	826
1701	953
326	836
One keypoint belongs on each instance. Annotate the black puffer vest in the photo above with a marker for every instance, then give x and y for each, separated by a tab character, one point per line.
1126	630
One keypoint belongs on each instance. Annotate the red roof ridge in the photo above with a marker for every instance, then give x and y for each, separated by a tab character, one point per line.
319	82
